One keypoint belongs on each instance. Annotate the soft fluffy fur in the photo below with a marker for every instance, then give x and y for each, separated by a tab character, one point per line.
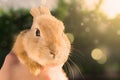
52	47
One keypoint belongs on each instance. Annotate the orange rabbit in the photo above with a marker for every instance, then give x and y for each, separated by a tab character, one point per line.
45	44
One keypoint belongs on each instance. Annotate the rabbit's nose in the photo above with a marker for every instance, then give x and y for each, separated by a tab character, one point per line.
52	53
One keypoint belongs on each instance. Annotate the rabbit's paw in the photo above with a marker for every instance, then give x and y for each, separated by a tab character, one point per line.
34	68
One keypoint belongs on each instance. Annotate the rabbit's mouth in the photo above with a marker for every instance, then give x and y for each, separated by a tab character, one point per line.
53	55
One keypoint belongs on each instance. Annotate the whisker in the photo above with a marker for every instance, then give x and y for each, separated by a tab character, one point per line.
71	72
77	69
65	67
77	51
78	54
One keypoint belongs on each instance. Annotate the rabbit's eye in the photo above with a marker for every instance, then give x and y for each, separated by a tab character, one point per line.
37	32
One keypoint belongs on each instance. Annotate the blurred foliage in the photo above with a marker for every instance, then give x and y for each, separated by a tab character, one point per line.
62	11
91	29
11	23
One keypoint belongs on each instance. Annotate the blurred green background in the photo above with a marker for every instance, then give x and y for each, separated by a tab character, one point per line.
95	36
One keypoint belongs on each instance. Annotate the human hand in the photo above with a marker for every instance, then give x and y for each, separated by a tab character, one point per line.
12	69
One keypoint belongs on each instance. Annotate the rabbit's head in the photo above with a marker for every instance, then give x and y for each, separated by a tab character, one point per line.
46	42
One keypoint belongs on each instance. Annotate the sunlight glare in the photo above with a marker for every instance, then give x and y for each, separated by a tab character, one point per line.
70	37
98	55
90	4
111	8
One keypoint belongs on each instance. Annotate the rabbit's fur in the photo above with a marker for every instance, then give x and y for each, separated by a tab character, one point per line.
45	44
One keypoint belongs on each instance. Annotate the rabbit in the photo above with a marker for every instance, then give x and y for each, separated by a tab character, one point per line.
43	45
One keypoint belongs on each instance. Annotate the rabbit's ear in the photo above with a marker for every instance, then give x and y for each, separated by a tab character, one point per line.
43	10
35	12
